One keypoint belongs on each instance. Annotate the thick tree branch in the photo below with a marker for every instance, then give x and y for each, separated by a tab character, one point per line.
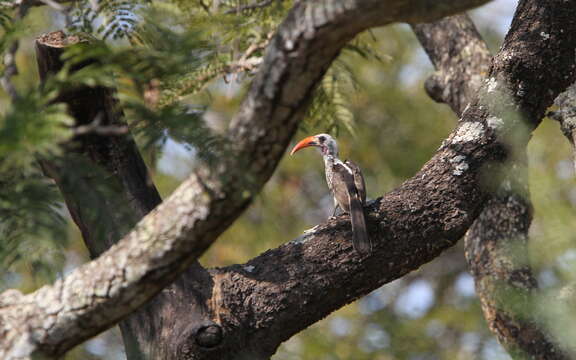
454	178
461	59
566	116
111	160
205	204
496	249
106	186
496	245
293	286
301	51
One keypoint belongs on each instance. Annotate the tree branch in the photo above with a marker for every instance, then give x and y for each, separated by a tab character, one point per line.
496	244
107	189
9	59
101	292
12	4
248	8
496	249
461	59
289	288
566	116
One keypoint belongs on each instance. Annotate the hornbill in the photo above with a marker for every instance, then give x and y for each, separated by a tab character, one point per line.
346	183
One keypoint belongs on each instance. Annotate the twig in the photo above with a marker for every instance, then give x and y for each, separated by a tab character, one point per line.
103	130
54	5
10	67
250	7
13	4
96	128
10	70
204	6
248	62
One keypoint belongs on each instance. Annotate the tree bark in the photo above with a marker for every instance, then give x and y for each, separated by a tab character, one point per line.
96	162
461	59
496	244
262	303
110	169
566	116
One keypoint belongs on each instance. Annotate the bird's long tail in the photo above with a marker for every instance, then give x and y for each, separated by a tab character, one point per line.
360	240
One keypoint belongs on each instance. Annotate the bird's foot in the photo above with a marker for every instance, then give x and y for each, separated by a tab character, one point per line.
312	230
337	212
336	215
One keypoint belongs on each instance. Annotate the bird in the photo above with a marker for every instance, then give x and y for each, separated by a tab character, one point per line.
346	184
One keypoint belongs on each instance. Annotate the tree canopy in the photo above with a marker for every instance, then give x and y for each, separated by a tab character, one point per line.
149	147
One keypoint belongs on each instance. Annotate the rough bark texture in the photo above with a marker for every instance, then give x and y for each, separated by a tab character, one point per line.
496	249
116	158
566	116
424	216
461	59
533	40
496	244
263	302
111	169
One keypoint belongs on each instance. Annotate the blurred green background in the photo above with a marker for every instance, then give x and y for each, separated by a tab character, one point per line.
386	124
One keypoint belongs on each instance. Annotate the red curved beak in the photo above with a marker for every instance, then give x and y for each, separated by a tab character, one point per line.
309	141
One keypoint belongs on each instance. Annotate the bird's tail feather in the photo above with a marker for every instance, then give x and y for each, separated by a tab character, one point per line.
360	240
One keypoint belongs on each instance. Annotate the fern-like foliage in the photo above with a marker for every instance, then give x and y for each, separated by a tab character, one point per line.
160	56
10	30
32	228
186	45
330	107
7	27
32	127
109	19
238	40
235	34
30	218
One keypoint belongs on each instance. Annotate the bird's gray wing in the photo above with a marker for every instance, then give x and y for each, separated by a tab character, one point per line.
346	192
358	180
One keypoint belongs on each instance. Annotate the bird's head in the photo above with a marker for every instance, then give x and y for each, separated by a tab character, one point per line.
324	142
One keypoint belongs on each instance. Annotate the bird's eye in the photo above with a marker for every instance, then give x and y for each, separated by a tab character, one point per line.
322	139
